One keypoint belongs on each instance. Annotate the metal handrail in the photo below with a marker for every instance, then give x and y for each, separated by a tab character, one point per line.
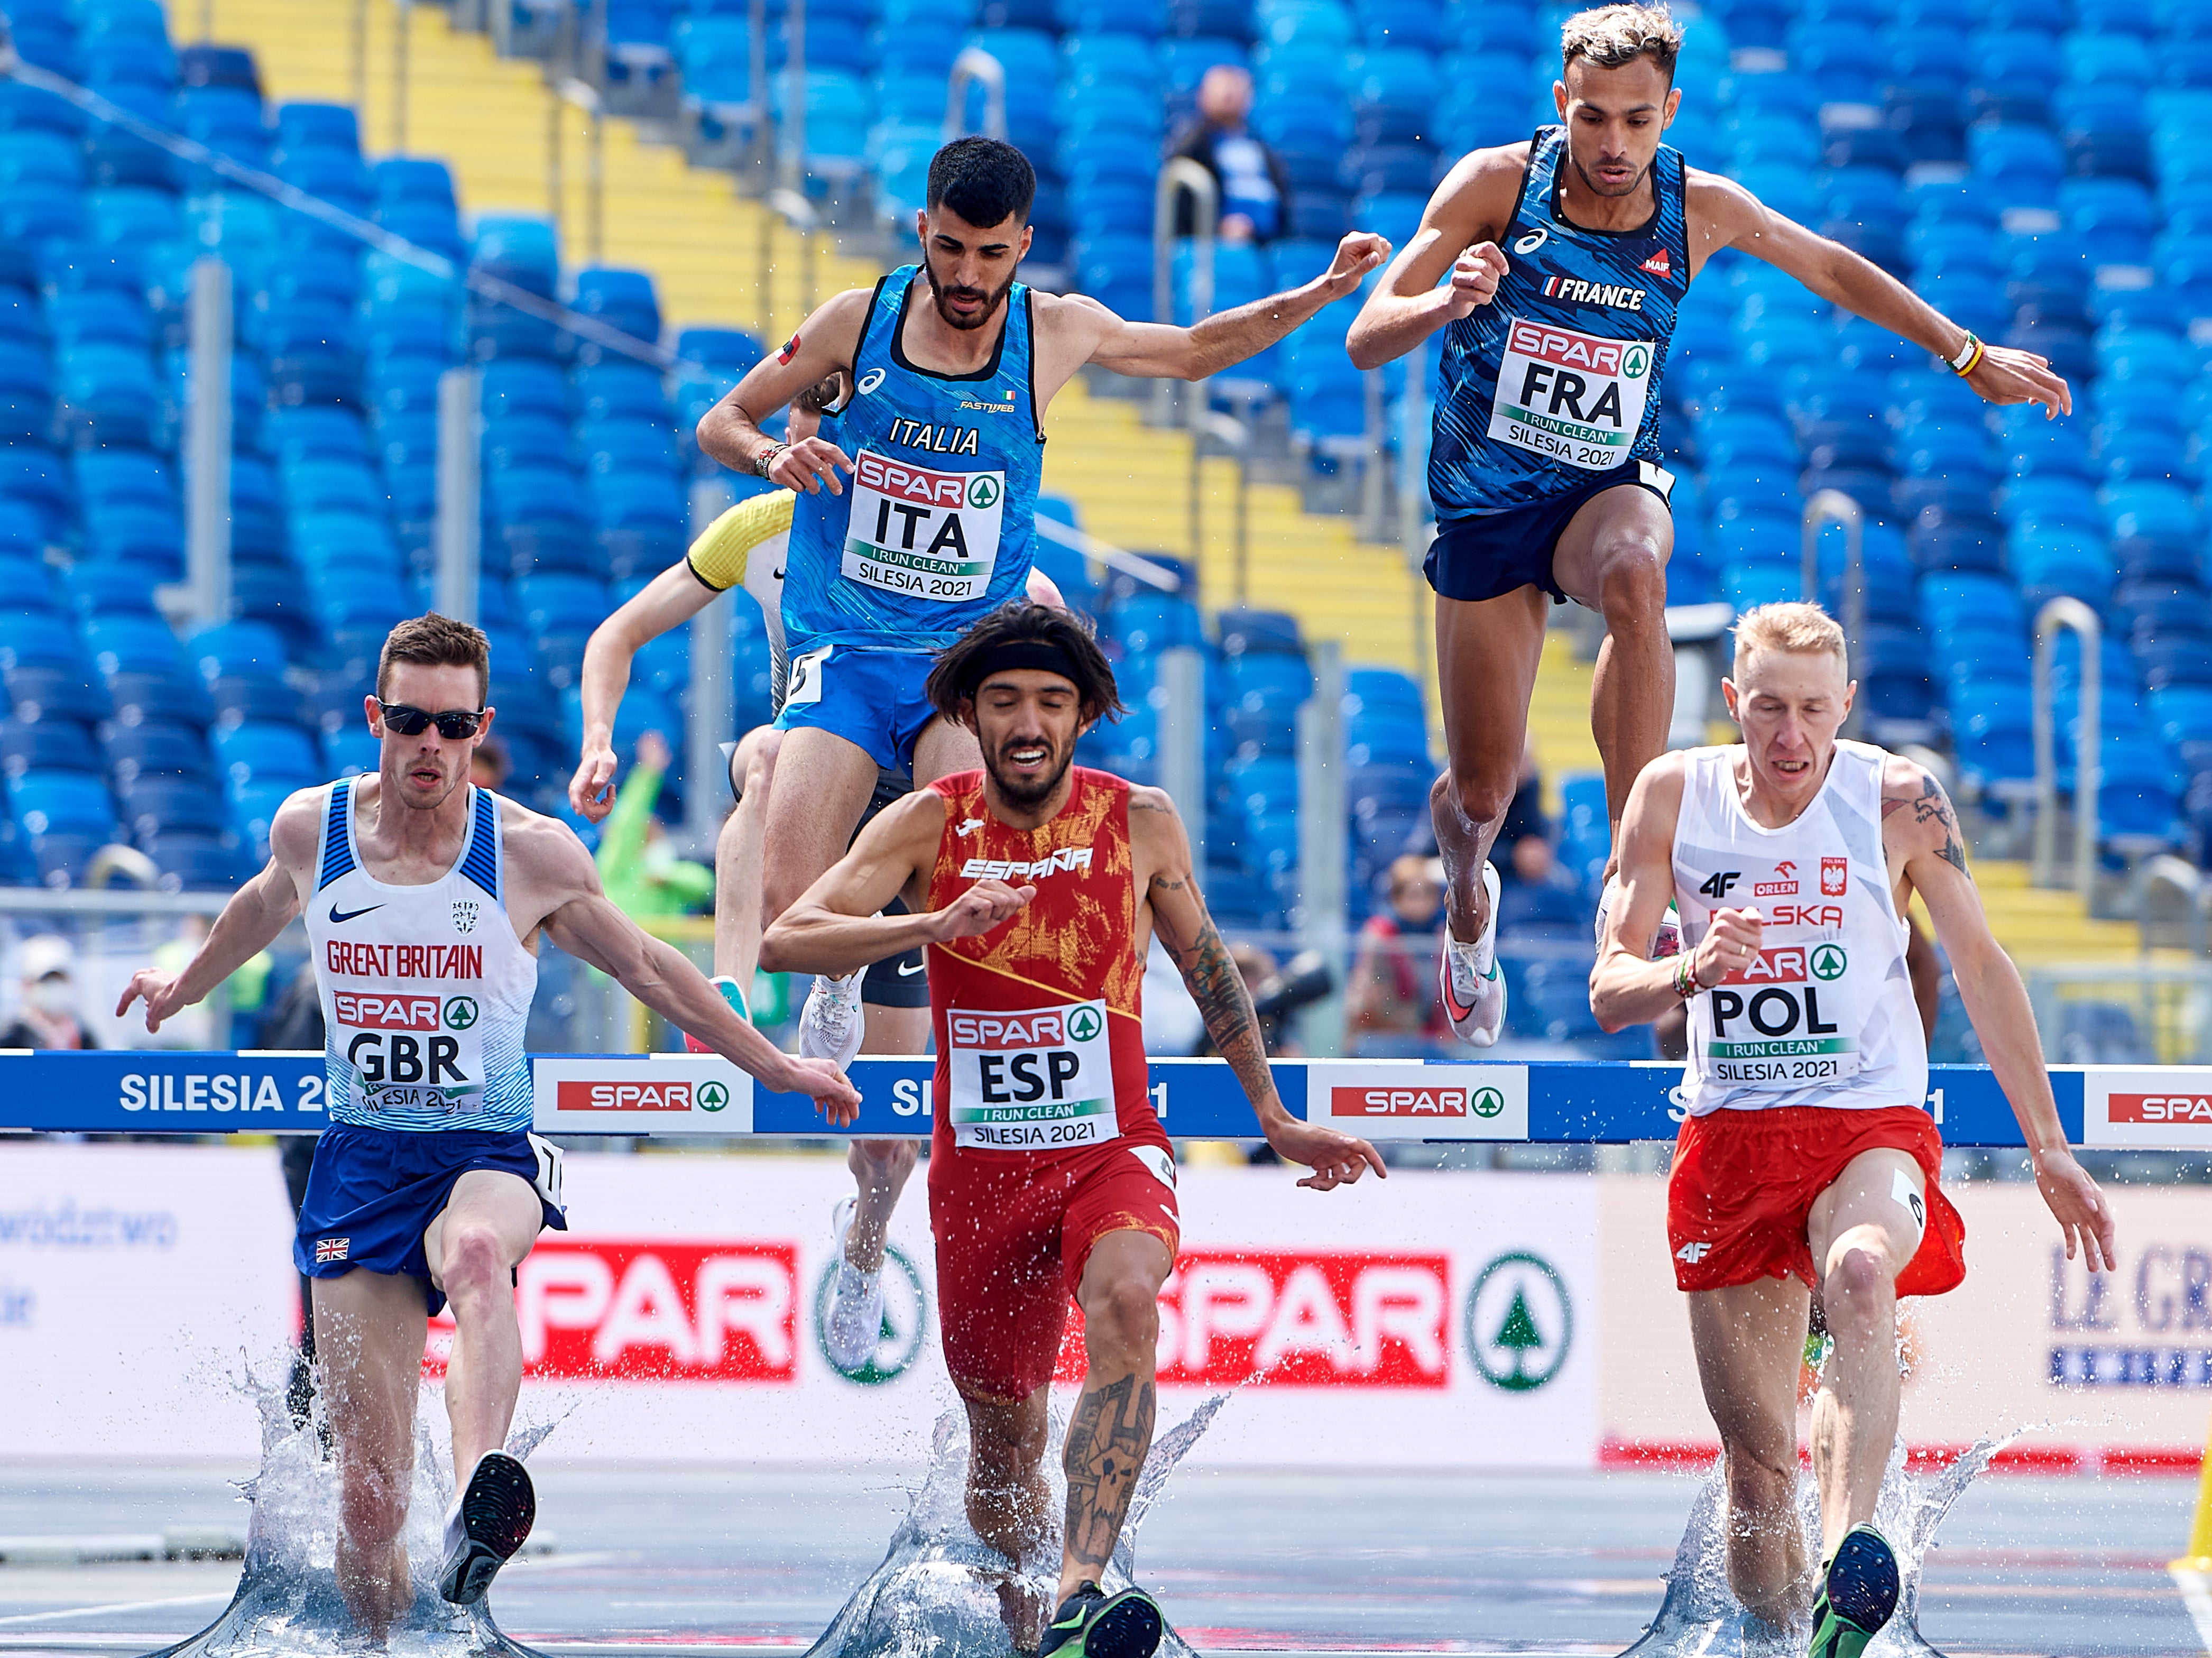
1180	172
1114	558
1833	507
1235	436
975	66
2088	743
2167	873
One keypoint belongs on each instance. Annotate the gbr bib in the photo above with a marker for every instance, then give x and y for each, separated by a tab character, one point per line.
425	989
1825	1015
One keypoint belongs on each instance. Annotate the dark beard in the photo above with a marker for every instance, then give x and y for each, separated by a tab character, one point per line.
992	302
1597	189
1024	796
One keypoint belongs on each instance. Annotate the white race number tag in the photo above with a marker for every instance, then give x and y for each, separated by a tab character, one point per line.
1036	1080
1570	397
805	683
548	1180
920	532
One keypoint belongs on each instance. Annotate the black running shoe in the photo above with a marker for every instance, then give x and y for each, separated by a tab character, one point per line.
1092	1624
486	1526
1859	1593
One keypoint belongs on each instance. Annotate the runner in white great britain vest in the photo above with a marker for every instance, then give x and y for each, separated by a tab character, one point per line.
1807	1164
1825	1015
424	898
425	989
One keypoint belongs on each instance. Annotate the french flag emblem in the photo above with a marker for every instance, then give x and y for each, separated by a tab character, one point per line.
332	1249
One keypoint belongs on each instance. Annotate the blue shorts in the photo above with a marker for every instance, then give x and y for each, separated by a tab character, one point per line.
872	699
1489	555
374	1192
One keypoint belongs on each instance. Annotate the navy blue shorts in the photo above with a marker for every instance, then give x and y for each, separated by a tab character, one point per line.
374	1192
1492	554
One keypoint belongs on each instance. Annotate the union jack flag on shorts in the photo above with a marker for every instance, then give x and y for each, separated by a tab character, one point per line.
332	1249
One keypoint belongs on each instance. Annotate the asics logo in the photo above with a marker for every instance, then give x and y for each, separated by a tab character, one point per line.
869	381
1534	239
339	915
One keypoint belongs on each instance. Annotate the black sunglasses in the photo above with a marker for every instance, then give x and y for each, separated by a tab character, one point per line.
453	724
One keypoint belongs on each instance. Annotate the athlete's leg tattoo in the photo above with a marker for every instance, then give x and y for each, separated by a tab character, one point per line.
1107	1440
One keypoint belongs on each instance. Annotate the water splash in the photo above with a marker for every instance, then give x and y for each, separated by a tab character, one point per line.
1701	1618
287	1604
942	1592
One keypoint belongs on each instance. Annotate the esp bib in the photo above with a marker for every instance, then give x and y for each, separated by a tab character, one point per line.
920	532
1570	397
1036	1080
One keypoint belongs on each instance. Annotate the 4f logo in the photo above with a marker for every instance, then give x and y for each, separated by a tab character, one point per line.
1716	884
1693	1253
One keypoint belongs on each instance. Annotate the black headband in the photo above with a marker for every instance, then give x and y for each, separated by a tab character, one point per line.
1019	653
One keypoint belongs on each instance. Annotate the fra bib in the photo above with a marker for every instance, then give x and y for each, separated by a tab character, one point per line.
1570	397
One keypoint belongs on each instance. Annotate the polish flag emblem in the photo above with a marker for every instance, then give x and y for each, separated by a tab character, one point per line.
1658	264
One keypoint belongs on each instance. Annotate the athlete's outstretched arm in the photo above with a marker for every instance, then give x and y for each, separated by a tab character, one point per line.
1917	822
1731	216
250	922
1158	350
585	922
835	928
1188	934
669	600
1467	211
823	346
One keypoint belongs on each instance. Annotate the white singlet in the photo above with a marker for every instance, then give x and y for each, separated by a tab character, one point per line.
1824	1016
425	989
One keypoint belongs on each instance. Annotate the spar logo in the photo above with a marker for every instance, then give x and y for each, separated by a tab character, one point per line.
605	1310
1459	1103
1784	963
905	1317
572	1096
1299	1318
2159	1108
1519	1321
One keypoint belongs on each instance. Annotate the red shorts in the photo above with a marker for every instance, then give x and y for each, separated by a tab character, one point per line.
1744	1183
1013	1233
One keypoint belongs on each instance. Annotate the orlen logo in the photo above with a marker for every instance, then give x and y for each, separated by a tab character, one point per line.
1307	1318
1784	886
666	1311
363	1012
573	1096
1807	915
2159	1108
1782	965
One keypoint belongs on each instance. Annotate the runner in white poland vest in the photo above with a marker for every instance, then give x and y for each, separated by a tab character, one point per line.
425	989
1825	1015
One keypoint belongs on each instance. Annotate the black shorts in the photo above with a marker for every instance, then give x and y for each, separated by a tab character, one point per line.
1490	555
897	981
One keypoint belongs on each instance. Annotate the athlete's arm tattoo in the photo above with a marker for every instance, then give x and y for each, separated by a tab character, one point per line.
1225	1004
1106	1446
1931	805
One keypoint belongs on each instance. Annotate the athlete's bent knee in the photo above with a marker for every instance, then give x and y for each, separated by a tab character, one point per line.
372	1500
1478	795
1632	591
1121	1325
1858	1287
475	1260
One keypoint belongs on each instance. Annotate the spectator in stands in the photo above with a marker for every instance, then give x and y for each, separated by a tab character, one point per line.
640	870
1256	189
488	765
1392	989
47	1016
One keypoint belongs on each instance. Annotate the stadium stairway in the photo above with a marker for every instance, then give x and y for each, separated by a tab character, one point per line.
489	119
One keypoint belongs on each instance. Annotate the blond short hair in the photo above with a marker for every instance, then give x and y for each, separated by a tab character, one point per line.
1797	626
1614	37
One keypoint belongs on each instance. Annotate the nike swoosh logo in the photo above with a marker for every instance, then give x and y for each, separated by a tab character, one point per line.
337	914
779	574
906	972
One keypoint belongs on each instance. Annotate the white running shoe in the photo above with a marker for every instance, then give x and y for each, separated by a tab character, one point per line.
852	1321
1666	942
1473	987
832	1024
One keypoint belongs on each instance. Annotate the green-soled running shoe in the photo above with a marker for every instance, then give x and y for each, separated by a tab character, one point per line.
1092	1624
1859	1593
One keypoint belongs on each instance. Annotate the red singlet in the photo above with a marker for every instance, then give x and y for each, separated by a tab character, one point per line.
1044	1137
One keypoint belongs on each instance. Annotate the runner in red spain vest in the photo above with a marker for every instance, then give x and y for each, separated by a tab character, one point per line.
1038	885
